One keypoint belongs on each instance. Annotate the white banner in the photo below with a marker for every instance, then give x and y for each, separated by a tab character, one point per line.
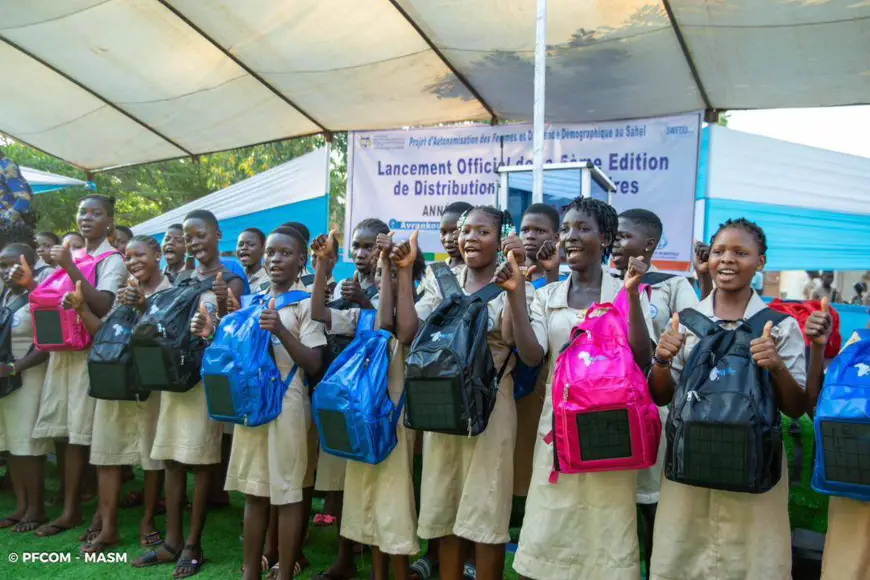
407	177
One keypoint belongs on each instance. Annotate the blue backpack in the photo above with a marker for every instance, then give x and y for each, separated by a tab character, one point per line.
355	416
243	384
842	424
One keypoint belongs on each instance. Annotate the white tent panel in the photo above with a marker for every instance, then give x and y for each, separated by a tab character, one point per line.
752	168
35	177
305	177
365	45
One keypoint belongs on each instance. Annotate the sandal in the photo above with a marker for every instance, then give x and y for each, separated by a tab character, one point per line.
150	540
323	520
97	547
423	569
152	557
90	535
9	522
187	562
264	565
49	530
469	571
25	526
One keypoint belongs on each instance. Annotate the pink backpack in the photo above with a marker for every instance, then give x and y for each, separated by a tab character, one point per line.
604	418
54	328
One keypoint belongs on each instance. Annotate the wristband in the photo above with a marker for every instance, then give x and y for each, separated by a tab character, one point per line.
661	363
11	367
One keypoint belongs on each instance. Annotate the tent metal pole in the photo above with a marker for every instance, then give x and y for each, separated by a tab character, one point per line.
539	107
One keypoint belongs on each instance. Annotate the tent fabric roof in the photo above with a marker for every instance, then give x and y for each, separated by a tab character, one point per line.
43	181
102	83
297	180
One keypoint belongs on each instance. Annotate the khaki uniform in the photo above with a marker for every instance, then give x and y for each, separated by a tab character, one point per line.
704	533
271	460
18	411
124	430
66	410
468	481
668	297
585	525
259	281
379	508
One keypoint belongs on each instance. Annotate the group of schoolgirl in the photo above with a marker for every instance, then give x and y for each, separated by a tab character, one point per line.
582	442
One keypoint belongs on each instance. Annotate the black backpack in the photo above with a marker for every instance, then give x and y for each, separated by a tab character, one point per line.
725	430
9	385
653	278
110	363
166	356
336	343
450	378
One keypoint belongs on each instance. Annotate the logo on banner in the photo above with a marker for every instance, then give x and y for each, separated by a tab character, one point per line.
663	243
365	142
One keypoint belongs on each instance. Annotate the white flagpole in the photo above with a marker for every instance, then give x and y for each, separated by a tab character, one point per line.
539	107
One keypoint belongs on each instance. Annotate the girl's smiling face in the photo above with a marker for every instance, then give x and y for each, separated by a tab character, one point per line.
201	238
249	249
735	257
285	257
582	240
479	239
142	261
43	248
93	219
173	246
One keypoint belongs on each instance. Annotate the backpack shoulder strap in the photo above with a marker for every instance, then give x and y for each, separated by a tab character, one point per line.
759	319
447	282
372	291
366	320
489	292
307	279
697	322
539	283
653	278
863	333
289	298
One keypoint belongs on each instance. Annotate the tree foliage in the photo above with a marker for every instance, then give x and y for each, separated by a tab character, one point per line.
146	191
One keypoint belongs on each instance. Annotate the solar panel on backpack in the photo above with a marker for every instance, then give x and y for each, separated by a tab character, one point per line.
334	430
151	366
717	455
218	392
846	452
434	404
604	434
113	380
48	327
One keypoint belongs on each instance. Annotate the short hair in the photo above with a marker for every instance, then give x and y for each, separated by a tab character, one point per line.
459	207
108	202
259	233
175	227
22	249
15	231
125	230
293	233
51	235
374	224
603	214
646	219
545	210
149	241
204	215
301	228
747	226
73	234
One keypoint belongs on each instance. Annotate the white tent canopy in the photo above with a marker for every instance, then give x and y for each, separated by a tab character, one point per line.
102	83
43	181
298	180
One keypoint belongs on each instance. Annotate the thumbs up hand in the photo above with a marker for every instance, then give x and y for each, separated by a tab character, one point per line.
202	324
323	248
763	350
509	275
820	324
670	343
62	256
220	289
132	295
22	275
271	321
634	274
548	256
404	254
385	244
74	300
232	302
352	291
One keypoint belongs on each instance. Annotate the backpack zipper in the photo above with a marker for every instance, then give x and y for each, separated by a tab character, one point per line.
565	393
246	420
692	396
469	427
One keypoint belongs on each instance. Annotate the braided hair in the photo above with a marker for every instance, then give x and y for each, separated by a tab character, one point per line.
501	217
747	226
149	241
603	214
373	224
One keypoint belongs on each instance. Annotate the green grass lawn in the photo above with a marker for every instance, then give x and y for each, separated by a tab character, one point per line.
223	548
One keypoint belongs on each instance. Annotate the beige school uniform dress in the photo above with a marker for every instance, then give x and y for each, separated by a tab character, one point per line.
703	533
66	410
585	525
668	297
18	411
847	543
379	508
185	432
271	460
259	281
124	430
468	481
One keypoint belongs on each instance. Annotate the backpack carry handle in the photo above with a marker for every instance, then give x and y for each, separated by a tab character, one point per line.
447	281
366	320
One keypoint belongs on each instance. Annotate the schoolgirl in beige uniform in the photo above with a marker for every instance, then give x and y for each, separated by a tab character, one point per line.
19	409
468	482
703	533
585	525
66	412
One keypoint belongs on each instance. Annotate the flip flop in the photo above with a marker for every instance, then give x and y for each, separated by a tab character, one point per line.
150	540
469	571
194	564
264	565
25	526
55	529
97	547
152	557
90	535
9	522
423	568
